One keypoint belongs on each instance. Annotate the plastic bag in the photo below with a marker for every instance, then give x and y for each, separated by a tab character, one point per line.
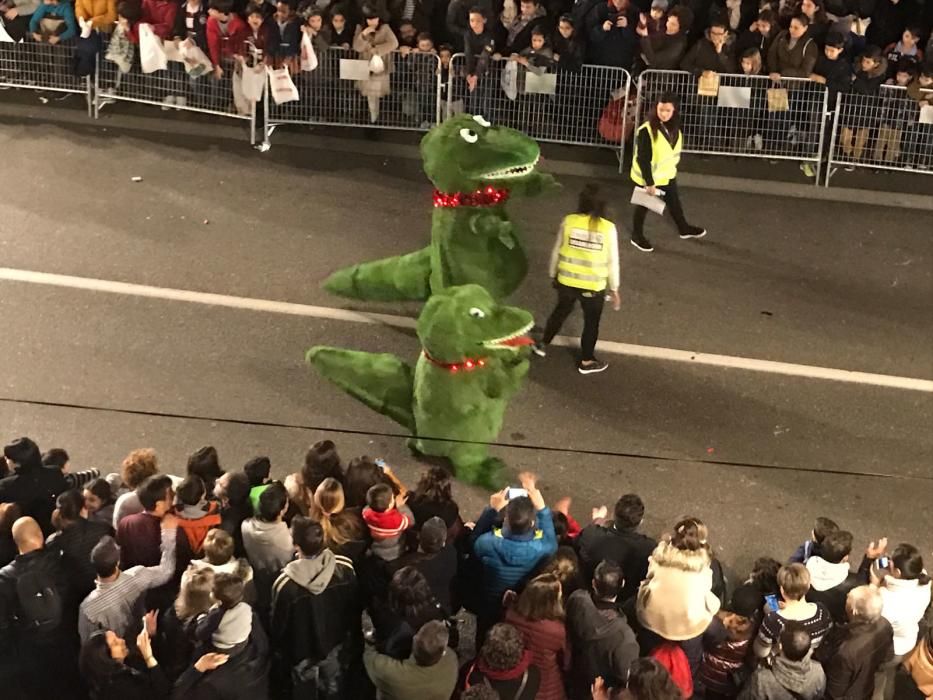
509	80
281	86
196	62
151	54
308	56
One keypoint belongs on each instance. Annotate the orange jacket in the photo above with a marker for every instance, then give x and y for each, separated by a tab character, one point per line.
102	13
196	529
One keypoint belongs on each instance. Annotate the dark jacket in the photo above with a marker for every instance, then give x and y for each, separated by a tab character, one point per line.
796	62
478	49
174	643
870	82
283	43
47	565
831	583
34	489
244	676
198	28
754	40
859	649
522	37
76	542
316	610
231	521
571	51
148	684
602	642
838	76
663	51
627	547
519	683
704	57
440	570
889	20
618	46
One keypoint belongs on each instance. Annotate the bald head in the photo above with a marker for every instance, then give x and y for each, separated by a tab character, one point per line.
864	603
27	535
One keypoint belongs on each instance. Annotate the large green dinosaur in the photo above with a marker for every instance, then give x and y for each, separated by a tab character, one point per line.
473	360
475	167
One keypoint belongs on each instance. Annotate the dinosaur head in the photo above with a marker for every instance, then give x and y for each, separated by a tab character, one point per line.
465	322
466	153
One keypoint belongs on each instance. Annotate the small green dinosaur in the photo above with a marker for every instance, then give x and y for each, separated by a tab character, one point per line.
475	167
473	360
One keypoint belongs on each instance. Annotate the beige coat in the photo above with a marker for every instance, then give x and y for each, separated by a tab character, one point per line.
676	599
380	43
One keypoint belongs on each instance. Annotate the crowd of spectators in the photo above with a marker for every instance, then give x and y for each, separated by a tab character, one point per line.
340	582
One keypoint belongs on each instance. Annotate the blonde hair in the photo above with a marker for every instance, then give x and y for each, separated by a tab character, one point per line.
328	501
218	546
195	596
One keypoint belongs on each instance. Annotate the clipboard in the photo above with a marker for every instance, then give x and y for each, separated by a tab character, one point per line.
655	203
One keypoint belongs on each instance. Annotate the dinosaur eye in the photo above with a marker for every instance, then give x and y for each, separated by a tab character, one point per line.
481	120
477	313
469	135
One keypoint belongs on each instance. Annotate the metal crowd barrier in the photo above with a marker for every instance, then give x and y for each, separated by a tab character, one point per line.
584	107
171	89
883	131
748	116
43	68
404	95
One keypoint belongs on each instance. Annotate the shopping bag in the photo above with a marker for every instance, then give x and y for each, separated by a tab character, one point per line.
308	56
376	65
173	51
281	86
708	84
777	100
196	62
253	82
509	80
151	53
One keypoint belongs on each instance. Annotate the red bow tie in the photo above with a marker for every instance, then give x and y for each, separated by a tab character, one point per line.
487	196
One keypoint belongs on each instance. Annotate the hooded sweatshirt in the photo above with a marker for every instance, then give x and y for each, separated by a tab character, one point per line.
830	584
603	643
268	545
786	680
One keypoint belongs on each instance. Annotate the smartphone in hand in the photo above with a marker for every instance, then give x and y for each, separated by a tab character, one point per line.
513	492
772	602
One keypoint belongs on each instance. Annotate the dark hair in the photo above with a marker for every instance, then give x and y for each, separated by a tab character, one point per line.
445	47
95	661
24	452
673	124
424	36
410	596
537	30
56	457
272	502
915	30
253	9
314	13
907	66
238	488
105	556
228	590
541	599
719	21
361	473
477	10
204	462
590	201
795	641
131	10
649	680
561	528
607	579
480	691
568	19
767	15
430	643
308	536
69	504
223	6
434	485
257	470
687	536
520	515
503	648
764	575
836	546
100	487
629	511
321	462
190	491
822	527
906	559
684	17
153	490
369	11
802	18
379	497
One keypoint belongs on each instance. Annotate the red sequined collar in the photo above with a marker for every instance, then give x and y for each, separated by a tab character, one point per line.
487	196
467	365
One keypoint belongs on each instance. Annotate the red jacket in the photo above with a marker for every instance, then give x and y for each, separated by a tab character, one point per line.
226	43
161	15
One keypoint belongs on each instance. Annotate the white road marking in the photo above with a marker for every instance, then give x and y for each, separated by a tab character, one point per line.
326	312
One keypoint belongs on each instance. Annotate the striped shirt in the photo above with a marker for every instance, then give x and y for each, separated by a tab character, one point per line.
817	625
119	605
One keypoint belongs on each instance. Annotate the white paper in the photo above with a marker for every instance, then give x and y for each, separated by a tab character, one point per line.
354	69
641	198
540	84
735	97
926	114
4	35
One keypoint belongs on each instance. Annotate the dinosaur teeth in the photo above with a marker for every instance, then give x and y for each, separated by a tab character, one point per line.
512	341
513	171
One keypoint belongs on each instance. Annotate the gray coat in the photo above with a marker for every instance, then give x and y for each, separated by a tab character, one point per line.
786	680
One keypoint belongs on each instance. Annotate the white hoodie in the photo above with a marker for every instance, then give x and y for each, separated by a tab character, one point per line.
824	575
904	602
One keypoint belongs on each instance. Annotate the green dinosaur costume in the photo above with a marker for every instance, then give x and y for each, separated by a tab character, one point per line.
474	358
475	168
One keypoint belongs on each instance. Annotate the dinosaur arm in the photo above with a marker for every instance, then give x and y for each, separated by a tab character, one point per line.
380	380
503	384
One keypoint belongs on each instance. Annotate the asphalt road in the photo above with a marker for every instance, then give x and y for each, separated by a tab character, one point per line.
756	454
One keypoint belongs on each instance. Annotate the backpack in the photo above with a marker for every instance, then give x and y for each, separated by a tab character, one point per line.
40	603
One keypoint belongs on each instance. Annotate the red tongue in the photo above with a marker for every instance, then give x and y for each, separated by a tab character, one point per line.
517	342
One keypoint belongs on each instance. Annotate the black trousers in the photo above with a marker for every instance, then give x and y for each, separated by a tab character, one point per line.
592	305
672	199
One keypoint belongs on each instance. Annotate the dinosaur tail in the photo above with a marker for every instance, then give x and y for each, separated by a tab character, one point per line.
400	278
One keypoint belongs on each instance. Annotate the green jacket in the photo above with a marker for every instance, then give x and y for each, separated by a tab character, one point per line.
406	680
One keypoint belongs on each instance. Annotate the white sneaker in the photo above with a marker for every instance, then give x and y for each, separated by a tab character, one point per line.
167	102
758	142
180	102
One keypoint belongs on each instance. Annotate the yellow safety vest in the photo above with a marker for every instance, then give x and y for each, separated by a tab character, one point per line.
583	259
664	159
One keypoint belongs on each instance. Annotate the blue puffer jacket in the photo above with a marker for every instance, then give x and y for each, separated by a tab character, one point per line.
507	559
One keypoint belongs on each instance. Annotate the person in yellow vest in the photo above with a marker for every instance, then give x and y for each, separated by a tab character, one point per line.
585	268
654	166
